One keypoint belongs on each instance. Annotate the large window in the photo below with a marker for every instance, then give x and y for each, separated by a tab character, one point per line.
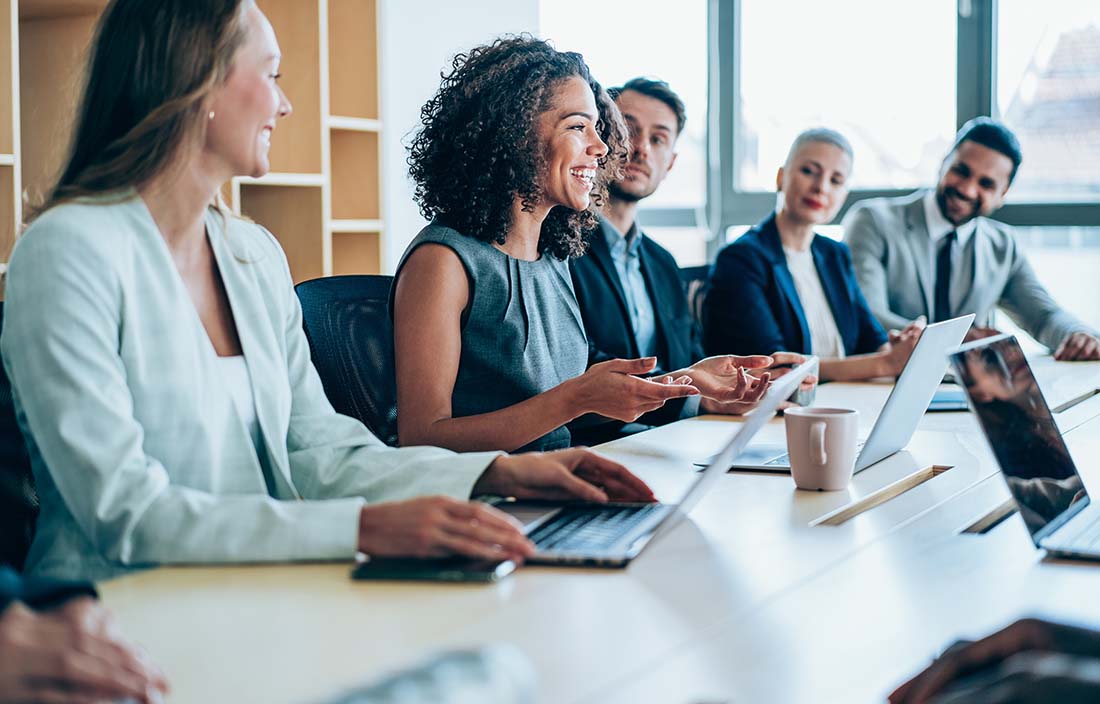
881	73
1048	91
897	79
1066	260
622	39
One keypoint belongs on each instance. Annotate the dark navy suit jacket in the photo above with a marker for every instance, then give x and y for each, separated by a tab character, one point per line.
752	306
607	320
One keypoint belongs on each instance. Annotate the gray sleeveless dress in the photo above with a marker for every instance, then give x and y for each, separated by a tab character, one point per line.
522	333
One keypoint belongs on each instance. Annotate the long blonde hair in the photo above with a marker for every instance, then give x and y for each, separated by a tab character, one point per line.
153	64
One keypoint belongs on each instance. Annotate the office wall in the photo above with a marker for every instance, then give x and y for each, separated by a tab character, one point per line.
417	39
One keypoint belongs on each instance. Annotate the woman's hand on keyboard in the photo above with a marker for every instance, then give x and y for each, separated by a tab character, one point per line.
576	473
439	526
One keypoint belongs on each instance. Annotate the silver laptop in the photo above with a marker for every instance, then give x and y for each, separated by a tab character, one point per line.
900	416
1025	439
611	535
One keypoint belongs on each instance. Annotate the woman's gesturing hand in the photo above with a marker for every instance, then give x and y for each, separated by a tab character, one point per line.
725	378
613	390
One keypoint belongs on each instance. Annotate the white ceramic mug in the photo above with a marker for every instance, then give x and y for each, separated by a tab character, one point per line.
821	443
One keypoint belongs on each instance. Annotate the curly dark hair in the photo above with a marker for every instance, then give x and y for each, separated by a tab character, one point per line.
478	146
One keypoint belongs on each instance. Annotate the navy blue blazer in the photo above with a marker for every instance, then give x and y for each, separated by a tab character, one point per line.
607	320
752	306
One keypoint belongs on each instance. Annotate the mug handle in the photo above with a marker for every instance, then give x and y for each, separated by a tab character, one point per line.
817	443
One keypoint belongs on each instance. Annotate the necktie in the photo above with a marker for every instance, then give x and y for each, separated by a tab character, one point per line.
943	278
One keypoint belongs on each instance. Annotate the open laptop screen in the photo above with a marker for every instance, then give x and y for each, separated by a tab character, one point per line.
1021	431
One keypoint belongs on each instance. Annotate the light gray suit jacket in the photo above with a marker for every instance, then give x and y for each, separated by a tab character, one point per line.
895	261
137	448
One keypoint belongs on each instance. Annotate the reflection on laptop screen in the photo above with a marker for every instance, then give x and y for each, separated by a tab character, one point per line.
1020	428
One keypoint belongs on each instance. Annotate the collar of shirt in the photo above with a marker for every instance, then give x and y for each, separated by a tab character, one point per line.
939	226
622	246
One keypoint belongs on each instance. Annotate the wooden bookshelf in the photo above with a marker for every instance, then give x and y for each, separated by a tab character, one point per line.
10	201
53	51
353	58
8	208
301	225
322	199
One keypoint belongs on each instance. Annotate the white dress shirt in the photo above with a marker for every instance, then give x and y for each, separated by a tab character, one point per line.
962	252
234	370
825	340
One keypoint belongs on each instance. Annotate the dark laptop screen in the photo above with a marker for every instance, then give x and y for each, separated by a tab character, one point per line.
1020	429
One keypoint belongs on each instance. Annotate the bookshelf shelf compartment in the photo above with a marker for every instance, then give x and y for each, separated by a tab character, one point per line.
355	176
294	215
353	58
356	253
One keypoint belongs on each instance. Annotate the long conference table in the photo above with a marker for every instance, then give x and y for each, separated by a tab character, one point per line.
767	593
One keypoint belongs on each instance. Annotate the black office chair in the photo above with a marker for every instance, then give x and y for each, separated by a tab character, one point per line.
18	498
694	279
350	334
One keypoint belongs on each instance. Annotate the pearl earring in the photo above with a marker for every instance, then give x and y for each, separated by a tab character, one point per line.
210	115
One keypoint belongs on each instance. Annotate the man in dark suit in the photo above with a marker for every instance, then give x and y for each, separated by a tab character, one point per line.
628	286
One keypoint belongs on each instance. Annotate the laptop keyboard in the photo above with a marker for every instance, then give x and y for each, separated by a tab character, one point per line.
1089	538
589	528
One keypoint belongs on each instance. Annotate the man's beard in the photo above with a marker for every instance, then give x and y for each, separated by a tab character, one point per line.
941	201
617	192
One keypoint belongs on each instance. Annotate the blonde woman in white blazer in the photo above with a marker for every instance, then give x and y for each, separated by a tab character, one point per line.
155	345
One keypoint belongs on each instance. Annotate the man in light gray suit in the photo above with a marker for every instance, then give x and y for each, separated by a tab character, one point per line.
937	254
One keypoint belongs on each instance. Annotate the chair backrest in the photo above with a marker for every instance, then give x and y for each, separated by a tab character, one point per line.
18	498
350	334
694	279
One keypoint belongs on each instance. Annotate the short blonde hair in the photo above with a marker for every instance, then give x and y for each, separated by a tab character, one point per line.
820	135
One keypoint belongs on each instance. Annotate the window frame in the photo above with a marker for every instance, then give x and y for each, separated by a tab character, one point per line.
726	206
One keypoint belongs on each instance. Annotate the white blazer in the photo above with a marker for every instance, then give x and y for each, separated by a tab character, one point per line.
139	454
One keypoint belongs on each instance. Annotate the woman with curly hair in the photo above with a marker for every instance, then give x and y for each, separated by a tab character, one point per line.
515	151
